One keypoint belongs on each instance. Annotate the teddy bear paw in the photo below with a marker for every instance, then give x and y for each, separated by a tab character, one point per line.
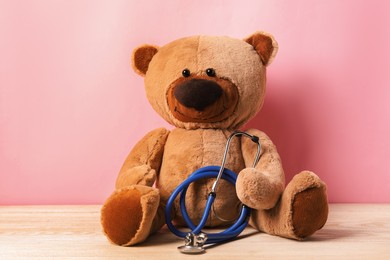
128	213
309	205
257	190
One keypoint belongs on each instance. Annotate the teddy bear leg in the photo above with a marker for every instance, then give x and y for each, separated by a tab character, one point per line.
131	214
301	211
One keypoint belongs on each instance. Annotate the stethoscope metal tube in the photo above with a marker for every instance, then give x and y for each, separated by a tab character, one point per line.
237	133
195	239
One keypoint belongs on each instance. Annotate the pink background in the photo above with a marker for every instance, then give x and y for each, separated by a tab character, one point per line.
71	108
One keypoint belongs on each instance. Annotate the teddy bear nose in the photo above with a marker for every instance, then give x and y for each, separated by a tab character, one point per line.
198	93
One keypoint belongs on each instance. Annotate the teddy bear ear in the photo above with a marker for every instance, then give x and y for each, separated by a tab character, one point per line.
265	45
141	58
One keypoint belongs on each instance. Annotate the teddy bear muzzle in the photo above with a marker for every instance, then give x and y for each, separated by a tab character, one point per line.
202	100
198	93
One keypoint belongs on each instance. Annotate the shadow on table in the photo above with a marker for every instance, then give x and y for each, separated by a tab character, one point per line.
165	237
333	234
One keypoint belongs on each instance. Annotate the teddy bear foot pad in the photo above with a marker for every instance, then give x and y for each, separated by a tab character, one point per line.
128	213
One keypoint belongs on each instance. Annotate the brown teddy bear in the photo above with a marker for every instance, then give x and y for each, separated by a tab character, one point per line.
208	87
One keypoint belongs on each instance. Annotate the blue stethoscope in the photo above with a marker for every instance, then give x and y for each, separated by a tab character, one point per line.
195	239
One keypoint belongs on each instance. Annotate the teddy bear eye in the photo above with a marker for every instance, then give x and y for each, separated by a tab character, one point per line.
210	72
186	73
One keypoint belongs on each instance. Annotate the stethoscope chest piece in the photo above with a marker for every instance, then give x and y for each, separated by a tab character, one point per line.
193	244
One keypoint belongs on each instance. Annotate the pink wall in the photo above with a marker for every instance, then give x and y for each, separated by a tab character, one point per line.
71	107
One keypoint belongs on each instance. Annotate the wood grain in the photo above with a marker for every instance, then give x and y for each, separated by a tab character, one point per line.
353	231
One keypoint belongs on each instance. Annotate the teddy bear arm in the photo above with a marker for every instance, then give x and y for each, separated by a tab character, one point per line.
260	187
144	161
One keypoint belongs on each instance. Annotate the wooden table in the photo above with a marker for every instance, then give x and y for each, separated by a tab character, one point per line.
353	231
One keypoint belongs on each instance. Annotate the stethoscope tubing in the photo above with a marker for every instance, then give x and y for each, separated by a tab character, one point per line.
204	173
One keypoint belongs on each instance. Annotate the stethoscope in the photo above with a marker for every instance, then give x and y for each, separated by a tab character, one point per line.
195	239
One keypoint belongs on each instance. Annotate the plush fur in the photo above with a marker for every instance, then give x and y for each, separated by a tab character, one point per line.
163	159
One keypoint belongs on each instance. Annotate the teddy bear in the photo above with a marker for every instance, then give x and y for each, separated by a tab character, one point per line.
207	87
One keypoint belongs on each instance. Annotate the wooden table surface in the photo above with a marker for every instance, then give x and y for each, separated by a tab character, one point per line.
353	231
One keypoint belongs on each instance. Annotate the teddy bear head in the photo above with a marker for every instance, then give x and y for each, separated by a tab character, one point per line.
206	81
